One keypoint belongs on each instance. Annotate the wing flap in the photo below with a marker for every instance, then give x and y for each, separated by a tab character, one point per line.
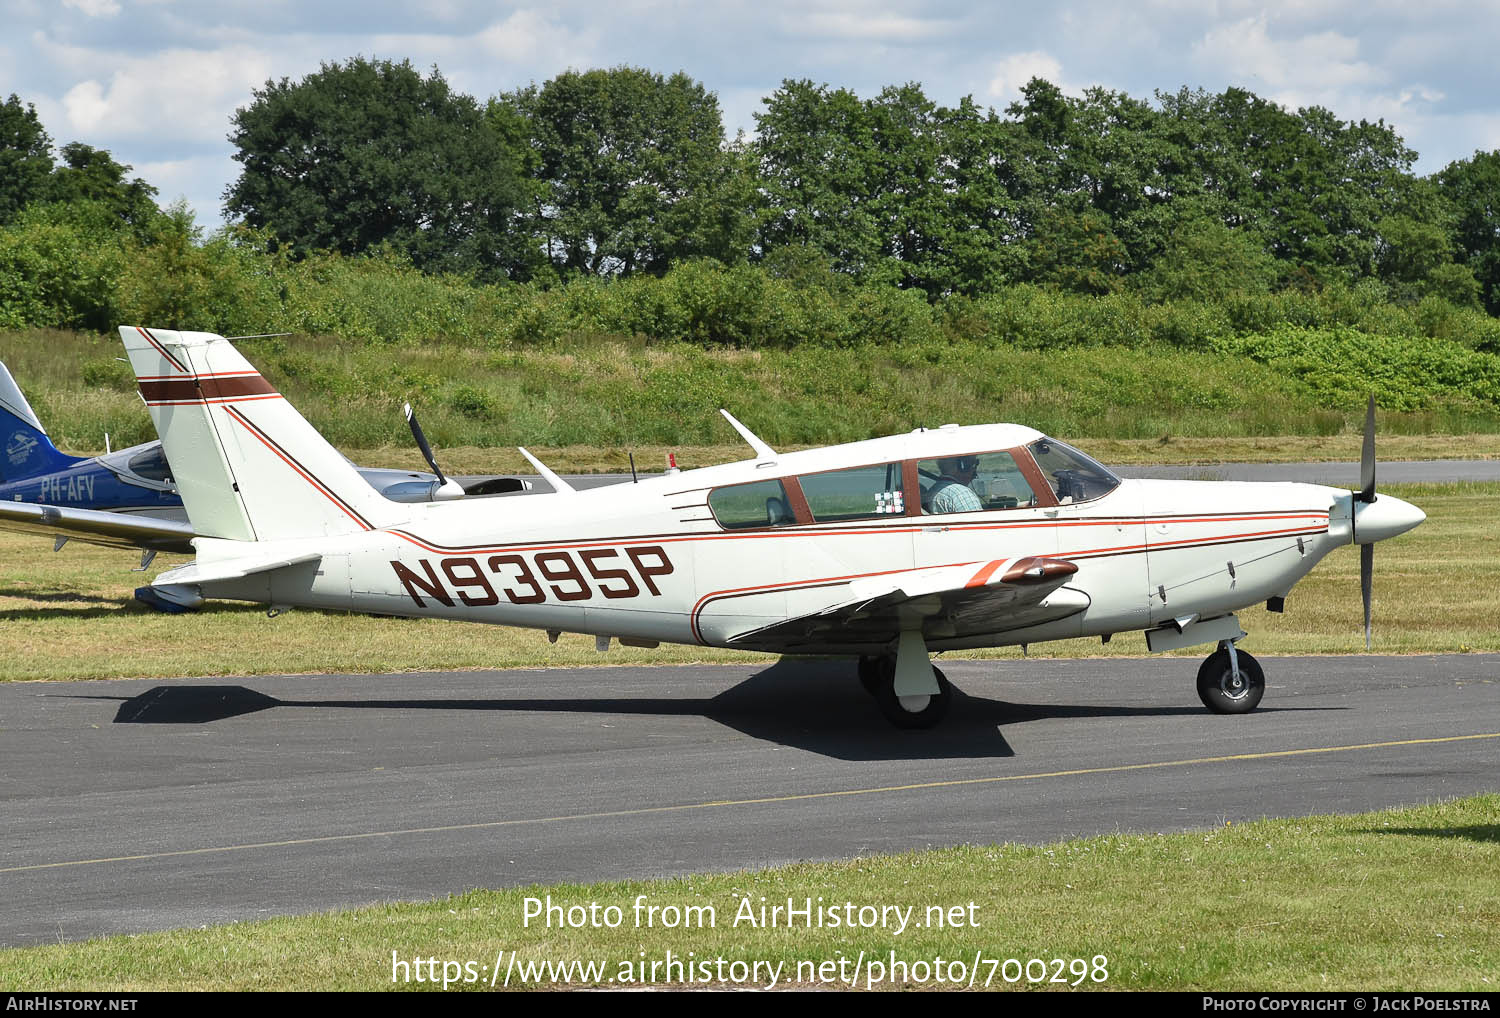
947	602
93	526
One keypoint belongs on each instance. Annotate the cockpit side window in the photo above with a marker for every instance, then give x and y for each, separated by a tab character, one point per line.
1074	476
859	493
979	482
151	464
757	504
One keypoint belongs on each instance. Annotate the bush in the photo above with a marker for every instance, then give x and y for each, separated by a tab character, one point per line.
58	267
1344	366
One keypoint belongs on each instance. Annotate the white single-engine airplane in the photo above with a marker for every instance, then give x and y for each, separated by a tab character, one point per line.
885	550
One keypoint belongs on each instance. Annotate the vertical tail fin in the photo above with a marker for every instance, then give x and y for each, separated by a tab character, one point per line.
248	466
27	449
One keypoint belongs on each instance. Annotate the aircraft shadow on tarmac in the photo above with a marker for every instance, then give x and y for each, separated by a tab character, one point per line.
792	703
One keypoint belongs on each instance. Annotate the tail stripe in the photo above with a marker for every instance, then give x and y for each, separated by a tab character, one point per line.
291	461
163	351
204	389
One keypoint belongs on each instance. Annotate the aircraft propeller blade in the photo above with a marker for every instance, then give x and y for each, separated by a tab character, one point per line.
1367	457
1366	574
1367	494
416	432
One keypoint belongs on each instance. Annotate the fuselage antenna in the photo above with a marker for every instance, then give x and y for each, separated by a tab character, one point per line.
558	484
762	450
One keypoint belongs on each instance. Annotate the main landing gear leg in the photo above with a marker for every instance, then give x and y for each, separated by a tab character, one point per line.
1230	681
910	692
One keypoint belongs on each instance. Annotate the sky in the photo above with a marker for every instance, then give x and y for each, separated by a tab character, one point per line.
156	81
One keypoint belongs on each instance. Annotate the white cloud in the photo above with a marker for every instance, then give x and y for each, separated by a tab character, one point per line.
870	26
531	39
173	94
85	106
200	180
1014	71
1314	63
94	8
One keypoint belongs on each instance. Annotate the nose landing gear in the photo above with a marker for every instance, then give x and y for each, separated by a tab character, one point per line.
1230	681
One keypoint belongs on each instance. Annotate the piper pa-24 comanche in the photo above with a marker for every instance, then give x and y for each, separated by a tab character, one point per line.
884	550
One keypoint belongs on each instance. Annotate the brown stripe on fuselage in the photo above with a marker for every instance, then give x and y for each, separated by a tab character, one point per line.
178	390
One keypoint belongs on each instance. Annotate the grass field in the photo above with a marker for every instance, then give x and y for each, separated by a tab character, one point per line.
1397	900
70	615
613	393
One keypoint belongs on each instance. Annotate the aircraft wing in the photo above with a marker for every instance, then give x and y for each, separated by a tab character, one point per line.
92	526
946	603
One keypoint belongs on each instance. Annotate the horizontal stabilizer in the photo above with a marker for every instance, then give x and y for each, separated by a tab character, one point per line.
235	568
92	526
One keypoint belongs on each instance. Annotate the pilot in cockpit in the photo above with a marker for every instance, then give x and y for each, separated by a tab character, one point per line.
952	492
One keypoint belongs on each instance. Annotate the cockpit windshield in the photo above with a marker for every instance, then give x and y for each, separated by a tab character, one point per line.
1074	476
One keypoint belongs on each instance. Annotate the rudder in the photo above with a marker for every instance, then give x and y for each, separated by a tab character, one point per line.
28	450
248	466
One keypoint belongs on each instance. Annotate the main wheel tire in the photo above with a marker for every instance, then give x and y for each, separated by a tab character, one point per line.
1221	692
869	674
912	711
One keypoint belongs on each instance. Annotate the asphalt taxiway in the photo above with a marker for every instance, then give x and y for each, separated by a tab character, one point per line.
146	804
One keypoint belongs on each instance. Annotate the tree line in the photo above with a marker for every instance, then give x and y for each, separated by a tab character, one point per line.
626	172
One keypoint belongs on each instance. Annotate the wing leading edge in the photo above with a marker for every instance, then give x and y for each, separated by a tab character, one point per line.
945	603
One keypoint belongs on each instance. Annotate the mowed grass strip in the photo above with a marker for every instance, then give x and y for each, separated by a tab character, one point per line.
70	615
1405	899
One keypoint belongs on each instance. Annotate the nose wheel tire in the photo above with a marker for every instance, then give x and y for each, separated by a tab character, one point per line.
1225	693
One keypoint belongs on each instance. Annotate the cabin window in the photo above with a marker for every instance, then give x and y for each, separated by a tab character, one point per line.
854	494
1074	476
151	464
974	483
758	504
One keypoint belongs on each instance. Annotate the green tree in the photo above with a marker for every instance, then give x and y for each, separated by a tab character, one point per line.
91	174
373	153
25	158
633	171
1205	260
1313	186
985	212
894	189
60	263
1077	251
1472	187
814	148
